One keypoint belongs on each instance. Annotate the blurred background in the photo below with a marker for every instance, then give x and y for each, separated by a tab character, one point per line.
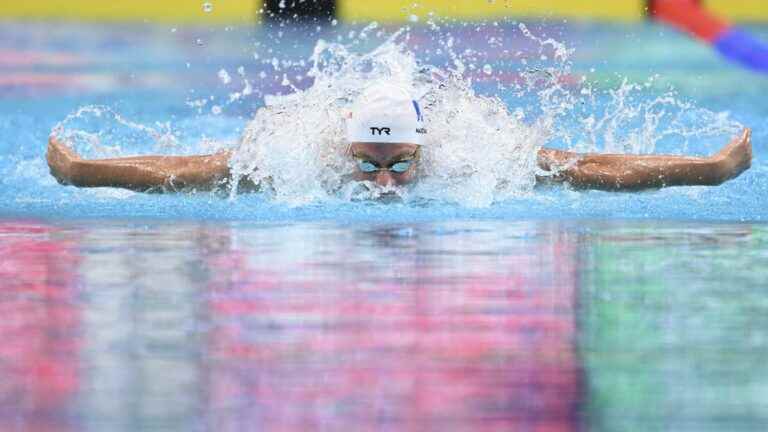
232	11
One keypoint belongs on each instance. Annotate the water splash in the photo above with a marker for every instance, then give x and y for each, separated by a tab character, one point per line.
100	132
96	131
627	121
295	148
479	151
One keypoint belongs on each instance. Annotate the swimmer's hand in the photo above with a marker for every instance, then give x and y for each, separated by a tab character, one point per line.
61	159
735	158
620	172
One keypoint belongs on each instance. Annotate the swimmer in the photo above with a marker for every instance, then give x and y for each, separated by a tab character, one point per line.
385	133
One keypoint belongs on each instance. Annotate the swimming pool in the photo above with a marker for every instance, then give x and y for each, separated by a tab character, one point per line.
141	73
558	310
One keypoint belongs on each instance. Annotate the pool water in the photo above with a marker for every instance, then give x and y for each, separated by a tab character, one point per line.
157	77
560	310
455	325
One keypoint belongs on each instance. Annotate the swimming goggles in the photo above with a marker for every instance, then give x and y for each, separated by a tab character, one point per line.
369	167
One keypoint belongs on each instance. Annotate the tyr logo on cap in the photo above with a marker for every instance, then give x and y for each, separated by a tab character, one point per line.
381	131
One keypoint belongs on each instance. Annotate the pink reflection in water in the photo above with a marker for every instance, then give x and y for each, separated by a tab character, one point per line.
368	336
39	349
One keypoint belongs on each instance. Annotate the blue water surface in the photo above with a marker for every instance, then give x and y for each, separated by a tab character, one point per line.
148	74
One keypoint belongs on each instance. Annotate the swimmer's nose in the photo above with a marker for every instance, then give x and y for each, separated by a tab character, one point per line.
384	178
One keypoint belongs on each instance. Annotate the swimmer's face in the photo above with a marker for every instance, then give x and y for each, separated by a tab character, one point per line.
385	160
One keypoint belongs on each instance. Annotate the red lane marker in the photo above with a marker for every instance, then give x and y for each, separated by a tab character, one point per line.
689	16
38	58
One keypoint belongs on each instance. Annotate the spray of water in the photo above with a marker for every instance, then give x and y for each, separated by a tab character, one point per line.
479	150
92	132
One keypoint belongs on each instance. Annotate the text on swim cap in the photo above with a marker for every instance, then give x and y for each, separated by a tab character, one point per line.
381	131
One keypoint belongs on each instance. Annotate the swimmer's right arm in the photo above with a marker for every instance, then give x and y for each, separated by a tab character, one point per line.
142	173
621	172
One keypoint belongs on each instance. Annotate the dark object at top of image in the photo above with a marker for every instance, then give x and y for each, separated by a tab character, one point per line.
302	10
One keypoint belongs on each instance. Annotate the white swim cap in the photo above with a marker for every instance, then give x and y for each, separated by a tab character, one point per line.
386	113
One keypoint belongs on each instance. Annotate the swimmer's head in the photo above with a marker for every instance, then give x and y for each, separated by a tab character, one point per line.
385	132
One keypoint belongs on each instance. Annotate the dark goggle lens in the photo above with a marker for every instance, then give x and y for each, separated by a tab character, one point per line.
398	168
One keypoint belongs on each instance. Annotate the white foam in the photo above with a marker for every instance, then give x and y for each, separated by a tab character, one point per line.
477	152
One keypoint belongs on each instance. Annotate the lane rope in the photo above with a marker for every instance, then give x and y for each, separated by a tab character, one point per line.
730	41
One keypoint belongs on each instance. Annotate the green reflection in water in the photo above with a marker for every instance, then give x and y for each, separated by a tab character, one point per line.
674	327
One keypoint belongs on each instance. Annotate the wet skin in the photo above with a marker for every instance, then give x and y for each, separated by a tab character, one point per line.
614	172
384	155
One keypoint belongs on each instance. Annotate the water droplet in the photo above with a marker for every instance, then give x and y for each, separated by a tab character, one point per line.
334	22
224	77
248	88
216	110
207	7
488	69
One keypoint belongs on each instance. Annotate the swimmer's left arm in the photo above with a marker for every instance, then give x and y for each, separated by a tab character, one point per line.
142	173
634	172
